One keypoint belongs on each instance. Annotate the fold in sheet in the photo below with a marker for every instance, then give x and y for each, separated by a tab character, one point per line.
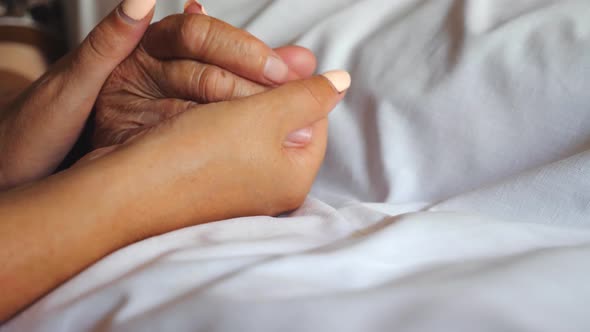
455	194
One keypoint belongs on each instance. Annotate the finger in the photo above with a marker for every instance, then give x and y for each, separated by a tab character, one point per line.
301	61
79	78
202	83
299	104
184	83
206	39
118	125
194	7
111	42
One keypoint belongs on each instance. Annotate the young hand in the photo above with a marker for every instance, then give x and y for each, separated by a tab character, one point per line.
41	127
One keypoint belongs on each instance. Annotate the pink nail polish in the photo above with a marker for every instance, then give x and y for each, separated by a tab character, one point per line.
137	10
340	79
299	138
194	7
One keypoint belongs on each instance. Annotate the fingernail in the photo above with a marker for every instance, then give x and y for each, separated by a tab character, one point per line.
340	79
137	10
194	7
299	138
276	70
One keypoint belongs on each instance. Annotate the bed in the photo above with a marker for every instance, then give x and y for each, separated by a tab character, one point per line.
455	195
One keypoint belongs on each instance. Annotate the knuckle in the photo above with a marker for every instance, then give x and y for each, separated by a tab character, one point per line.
310	95
252	51
303	94
194	32
214	84
242	89
99	43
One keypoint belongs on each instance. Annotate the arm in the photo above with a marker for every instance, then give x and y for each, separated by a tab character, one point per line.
53	229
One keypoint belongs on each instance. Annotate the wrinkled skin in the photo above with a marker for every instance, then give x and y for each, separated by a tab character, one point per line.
184	61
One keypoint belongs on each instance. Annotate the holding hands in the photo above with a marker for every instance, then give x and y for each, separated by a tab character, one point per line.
214	89
196	121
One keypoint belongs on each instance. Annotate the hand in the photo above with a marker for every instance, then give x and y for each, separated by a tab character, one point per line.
40	128
212	162
185	60
223	160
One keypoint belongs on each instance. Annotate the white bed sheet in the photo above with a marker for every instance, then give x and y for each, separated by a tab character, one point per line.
455	194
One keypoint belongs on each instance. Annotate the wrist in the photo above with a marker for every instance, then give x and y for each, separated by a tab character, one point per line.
153	196
129	194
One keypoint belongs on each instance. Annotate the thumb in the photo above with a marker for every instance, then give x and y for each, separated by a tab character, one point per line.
52	113
299	104
112	41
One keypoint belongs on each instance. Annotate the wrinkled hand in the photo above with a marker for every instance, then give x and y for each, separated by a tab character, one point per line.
40	128
221	160
186	60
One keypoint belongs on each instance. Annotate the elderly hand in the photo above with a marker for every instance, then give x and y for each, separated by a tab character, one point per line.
186	60
40	128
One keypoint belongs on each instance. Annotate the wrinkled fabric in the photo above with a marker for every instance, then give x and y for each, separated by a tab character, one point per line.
455	194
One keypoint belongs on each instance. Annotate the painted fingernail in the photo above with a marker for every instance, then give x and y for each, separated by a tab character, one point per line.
300	138
276	70
194	7
340	79
137	10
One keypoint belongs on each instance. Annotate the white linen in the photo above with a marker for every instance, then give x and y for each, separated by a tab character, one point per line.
455	194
